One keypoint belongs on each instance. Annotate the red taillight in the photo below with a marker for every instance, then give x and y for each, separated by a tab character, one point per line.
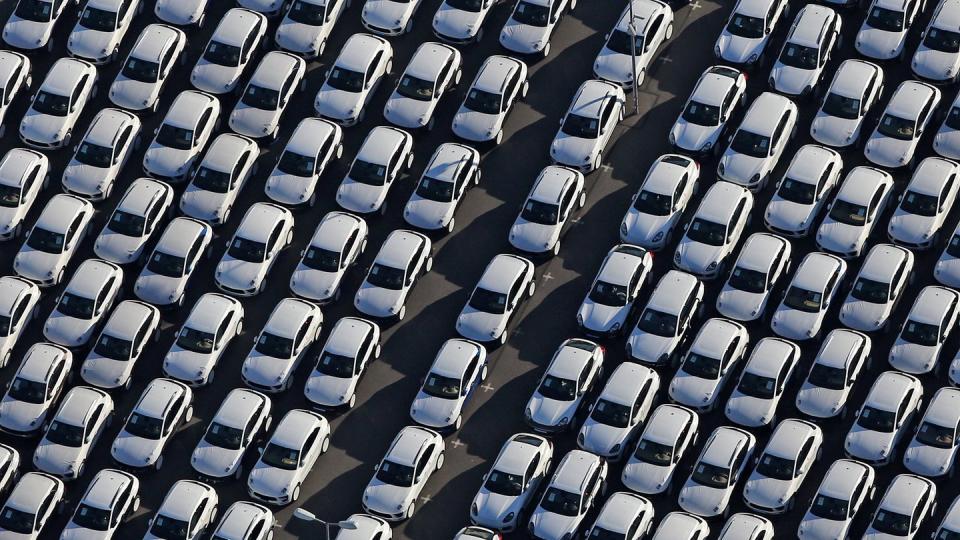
697	164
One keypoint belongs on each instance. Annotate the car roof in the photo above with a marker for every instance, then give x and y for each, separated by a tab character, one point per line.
672	291
89	278
666	422
882	262
569	359
759	251
238	519
30	491
126	319
238	407
764	113
720	201
448	160
944	408
947	16
60	211
153	42
517	452
294	428
273	69
665	173
259	221
77	405
620	510
207	313
106	126
428	60
591	97
235	26
852	77
182	499
574	471
896	5
839	347
625	382
407	445
64	76
753	8
931	175
768	356
715	336
619	266
334	230
140	194
810	25
643	11
346	336
551	182
398	248
743	526
816	268
105	487
904	492
157	396
357	53
930	305
178	237
841	478
809	163
16	163
12	288
309	136
10	60
38	361
379	144
495	72
502	272
909	98
225	151
454	356
712	87
723	443
888	389
287	317
788	437
186	109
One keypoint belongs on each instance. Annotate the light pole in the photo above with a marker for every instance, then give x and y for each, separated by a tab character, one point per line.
633	60
306	515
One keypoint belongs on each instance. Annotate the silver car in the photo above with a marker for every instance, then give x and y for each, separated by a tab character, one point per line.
452	169
129	331
31	24
433	71
749	27
84	303
220	177
163	280
878	288
933	449
458	369
894	141
364	62
72	433
588	126
53	240
791	452
854	212
111	497
883	33
803	191
765	376
181	12
388	18
100	29
188	511
273	84
855	89
884	418
164	407
403	259
130	228
759	142
214	321
265	231
15	77
609	305
946	142
715	353
500	82
763	261
415	454
548	210
103	152
523	458
313	146
935	58
18	307
573	372
385	154
351	346
233	44
712	235
34	389
23	174
908	502
147	68
505	283
623	513
658	205
292	328
718	93
247	521
619	410
574	489
178	142
843	355
334	248
531	24
307	25
242	418
664	321
54	110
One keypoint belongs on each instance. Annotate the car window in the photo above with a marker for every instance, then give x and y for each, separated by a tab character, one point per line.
681	186
582	380
641	397
122	500
122	13
18	311
923	116
121	145
566	204
532	469
875	200
681	439
652	31
104	292
152	216
142	334
735	219
945	192
778	132
197	516
170	416
737	462
238	169
364	346
92	422
945	321
73	228
302	333
348	247
902	408
274	237
804	450
285	88
249	42
855	495
424	459
202	124
167	59
29	180
461	179
372	68
607	111
256	529
222	329
77	90
322	153
917	512
309	442
822	183
195	249
43	509
895	282
515	290
54	381
442	75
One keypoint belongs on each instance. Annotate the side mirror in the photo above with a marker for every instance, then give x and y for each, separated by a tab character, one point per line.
227	244
326	73
76	147
606	36
259	449
561	122
766	31
156	130
376	467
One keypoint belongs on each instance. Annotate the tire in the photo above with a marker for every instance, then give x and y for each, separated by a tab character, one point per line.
556	248
410	510
458	423
503	337
409	26
325	445
573	5
546	51
238	474
669	33
524	89
532	288
389	69
16	234
189	415
483	373
239	327
296	494
377	351
352	401
430	124
439	461
582	201
450	225
428	266
289	237
402	313
499	138
158	464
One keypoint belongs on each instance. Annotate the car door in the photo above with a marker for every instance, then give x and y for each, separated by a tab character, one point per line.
121	505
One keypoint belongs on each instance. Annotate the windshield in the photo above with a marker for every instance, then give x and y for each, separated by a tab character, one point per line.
891	523
414	88
558	389
885	19
321	259
936	436
306	13
221	54
275	346
488	301
653	204
750	144
75	306
280	457
89	517
848	213
297	165
776	467
335	365
828	377
658	323
441	387
534	15
27	391
141	70
195	340
4	325
52	104
503	483
34	10
224	436
540	212
113	348
619	42
920	333
9	196
701	366
261	98
473	6
707	232
702	115
842	107
877	420
746	26
920	204
829	508
98	19
211	180
897	128
247	250
169	528
16	521
145	427
483	101
711	475
346	80
581	126
871	291
94	155
757	386
561	502
654	453
802	299
798	192
611	414
44	240
953	118
798	56
435	190
942	40
386	277
166	265
368	173
609	294
395	474
174	137
750	281
65	434
126	224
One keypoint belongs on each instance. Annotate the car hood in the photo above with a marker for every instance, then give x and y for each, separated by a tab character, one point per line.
523	38
741	305
40	127
649	347
533	237
493	507
572	150
476	126
315	281
378	301
794	324
691	390
24	34
253	122
877	43
838	237
68	331
834	131
791	80
385	498
407	113
645	477
334	103
817	528
740	167
326	390
20	415
748	410
167	161
289	188
180	11
766	491
55	458
134	451
861	315
427	214
867	444
697	256
183	364
912	357
116	247
947	271
887	151
434	412
271	481
600	438
612	66
90	43
788	215
693	137
157	289
201	203
384	13
266	370
239	275
104	372
75	532
599	317
549	412
947	142
456	23
214	78
701	500
360	197
214	461
479	325
935	65
641	228
35	264
550	526
818	401
927	460
911	228
82	178
737	49
297	37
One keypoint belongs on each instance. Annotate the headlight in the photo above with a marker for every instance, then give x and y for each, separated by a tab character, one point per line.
676	257
623	229
615	449
473	509
720	168
753	58
755	179
564	421
509	517
712	266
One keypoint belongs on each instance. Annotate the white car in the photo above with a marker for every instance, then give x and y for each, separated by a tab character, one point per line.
219	178
573	372
164	406
623	514
269	8
763	261
716	352
619	410
251	521
214	321
265	231
188	511
846	488
100	29
278	77
403	259
836	367
548	209
505	283
312	147
678	525
588	125
307	25
531	24
415	454
508	488
803	191
806	51
23	174
923	208
458	369
84	303
759	142
30	25
573	491
54	110
947	269
719	466
452	169
933	448
129	331
854	212
793	449
461	21
32	503
951	522
15	76
855	89
334	248
768	371
878	288
937	58
111	497
653	27
181	12
18	307
924	332
884	418
163	280
658	205
385	154
746	526
744	38
34	389
907	503
178	142
946	142
293	327
242	418
815	282
718	93
714	231
350	347
364	62
72	433
387	17
669	432
124	238
238	36
894	141
664	321
102	154
608	307
433	70
500	82
883	34
53	240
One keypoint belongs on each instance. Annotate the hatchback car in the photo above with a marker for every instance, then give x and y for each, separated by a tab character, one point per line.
744	38
23	174
182	136
715	353
307	24
746	526
667	435
609	305
214	321
163	280
803	191
458	369
623	513
547	212
102	154
572	374
878	288
759	142
53	240
350	347
846	488
461	23
531	24
265	230
163	408
856	208
30	25
181	12
312	147
576	486
924	332
714	231
658	205
855	89
124	238
588	126
364	62
793	449
15	77
249	521
54	110
664	321
232	46
883	33
188	511
291	453
765	376
911	107
619	410
800	314
763	261
923	208
334	248
100	29
18	307
34	389
652	27
241	420
722	461
433	70
505	283
836	367
937	58
907	503
388	18
278	76
950	523
884	418
33	502
500	82
293	327
129	331
946	142
806	51
509	487
111	497
718	93
84	303
452	169
219	178
403	259
385	154
933	449
149	64
415	454
679	525
73	431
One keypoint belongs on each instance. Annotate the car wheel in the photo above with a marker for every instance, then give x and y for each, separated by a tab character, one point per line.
430	124
503	337
325	445
269	534
439	461
476	177
238	474
402	313
479	36
499	138
450	225
389	69
321	48
128	384
6	360
239	329
59	277
66	138
135	506
352	401
189	414
428	266
458	422
582	201
289	237
556	248
296	494
546	51
524	89
409	26
376	352
573	5
158	464
532	288
669	33
361	116
226	215
410	510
